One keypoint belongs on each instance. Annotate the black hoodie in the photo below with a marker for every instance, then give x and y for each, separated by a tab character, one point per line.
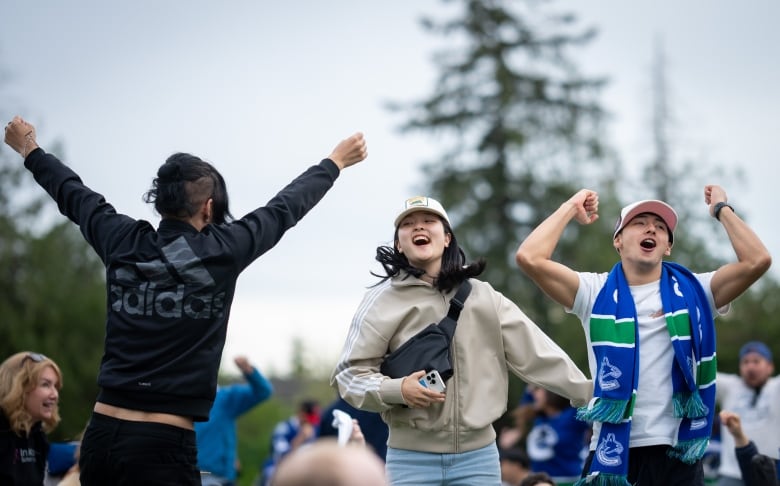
170	289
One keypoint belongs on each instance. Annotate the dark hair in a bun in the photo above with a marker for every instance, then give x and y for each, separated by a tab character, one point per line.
183	183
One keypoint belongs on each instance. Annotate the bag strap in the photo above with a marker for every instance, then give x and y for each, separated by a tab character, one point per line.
456	305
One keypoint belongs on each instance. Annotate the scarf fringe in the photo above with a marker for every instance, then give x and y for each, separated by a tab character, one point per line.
606	410
601	479
689	451
689	405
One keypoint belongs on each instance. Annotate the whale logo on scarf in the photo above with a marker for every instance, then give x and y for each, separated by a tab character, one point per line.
606	374
676	287
609	450
699	423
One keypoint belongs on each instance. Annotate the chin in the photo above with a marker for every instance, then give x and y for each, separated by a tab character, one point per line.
45	415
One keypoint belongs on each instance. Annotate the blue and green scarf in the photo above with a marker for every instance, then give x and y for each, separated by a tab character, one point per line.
613	335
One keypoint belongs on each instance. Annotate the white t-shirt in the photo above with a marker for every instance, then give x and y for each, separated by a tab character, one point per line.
653	421
760	417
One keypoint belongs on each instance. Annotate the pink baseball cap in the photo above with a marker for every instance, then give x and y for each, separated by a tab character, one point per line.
654	206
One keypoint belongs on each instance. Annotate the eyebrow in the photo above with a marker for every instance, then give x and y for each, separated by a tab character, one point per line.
651	215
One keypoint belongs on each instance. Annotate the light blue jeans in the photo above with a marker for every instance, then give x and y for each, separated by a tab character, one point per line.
413	468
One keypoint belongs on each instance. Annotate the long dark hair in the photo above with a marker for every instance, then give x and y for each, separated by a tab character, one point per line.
183	183
454	268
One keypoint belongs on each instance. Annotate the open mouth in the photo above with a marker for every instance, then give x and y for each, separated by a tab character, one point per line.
648	244
420	240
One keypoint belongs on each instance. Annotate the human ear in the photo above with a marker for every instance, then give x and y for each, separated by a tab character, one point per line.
616	243
208	211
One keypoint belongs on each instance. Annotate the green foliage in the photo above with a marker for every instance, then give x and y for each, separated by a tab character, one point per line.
52	295
254	436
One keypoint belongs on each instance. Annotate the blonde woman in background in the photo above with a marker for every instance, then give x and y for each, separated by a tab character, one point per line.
30	386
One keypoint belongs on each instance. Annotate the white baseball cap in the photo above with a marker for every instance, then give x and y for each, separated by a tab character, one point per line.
654	206
421	203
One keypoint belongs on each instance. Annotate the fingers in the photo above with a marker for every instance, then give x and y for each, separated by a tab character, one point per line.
242	362
19	122
350	151
729	418
586	204
714	194
416	395
20	136
357	436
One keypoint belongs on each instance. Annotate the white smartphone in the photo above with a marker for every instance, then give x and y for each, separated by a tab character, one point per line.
432	380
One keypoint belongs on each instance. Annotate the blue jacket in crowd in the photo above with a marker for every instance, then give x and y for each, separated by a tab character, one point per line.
217	436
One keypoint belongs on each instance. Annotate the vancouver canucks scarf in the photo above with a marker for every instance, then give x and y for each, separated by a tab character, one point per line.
613	335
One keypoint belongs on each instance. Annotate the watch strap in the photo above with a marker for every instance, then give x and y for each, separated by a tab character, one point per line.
718	207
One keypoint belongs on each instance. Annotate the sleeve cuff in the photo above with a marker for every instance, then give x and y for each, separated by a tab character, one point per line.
390	391
331	167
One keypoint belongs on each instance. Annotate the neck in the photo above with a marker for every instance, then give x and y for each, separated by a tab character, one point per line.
431	270
640	273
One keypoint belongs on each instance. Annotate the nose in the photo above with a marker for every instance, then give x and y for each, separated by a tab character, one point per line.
652	226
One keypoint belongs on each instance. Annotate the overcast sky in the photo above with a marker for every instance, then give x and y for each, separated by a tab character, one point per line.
265	89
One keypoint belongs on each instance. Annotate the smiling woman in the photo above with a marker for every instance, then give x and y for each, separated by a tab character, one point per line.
424	271
30	384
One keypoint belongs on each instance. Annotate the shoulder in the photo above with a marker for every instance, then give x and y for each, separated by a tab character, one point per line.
399	289
590	285
774	384
704	278
590	280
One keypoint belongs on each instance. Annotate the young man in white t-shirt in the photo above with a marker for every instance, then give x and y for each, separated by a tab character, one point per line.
643	237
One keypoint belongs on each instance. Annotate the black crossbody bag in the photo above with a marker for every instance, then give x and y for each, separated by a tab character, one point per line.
429	349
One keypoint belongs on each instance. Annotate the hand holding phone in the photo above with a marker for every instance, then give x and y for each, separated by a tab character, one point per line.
432	380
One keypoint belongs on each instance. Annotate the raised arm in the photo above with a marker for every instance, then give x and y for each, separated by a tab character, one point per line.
240	398
534	256
753	259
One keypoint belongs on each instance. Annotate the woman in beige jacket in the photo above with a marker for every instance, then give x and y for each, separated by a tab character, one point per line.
444	438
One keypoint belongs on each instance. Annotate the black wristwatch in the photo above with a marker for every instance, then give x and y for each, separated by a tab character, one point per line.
718	207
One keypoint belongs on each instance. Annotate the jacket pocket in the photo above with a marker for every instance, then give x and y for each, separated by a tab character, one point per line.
431	418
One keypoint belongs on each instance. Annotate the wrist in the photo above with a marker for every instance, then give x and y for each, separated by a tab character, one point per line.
719	207
741	440
336	162
29	146
570	207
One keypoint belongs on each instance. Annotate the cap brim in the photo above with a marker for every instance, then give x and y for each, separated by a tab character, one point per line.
409	211
660	208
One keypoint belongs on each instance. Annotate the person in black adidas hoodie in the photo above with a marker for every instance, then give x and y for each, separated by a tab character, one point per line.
169	295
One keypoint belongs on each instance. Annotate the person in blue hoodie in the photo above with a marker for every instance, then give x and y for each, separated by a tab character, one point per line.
216	438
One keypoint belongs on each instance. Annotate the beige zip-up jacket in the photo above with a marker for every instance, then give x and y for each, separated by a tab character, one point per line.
492	338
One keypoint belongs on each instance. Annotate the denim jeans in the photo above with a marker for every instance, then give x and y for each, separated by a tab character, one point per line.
121	452
414	468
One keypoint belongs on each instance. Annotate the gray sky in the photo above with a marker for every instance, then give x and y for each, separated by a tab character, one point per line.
265	89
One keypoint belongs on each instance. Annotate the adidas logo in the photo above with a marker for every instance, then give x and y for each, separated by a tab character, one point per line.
181	286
